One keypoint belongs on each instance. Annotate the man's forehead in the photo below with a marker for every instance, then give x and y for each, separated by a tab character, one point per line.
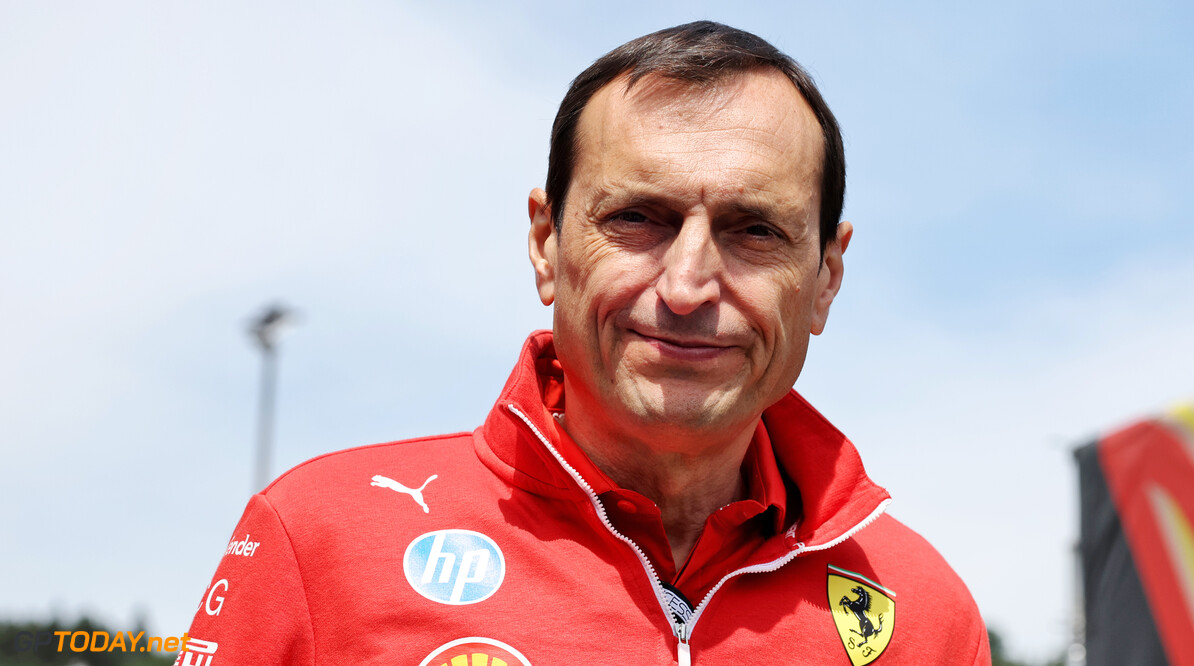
763	103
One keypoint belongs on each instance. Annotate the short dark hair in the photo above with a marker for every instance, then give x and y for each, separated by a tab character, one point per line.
699	53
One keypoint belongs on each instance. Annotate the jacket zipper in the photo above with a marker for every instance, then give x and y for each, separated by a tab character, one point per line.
683	630
800	549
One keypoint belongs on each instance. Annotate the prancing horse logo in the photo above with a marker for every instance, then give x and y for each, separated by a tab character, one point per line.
859	604
416	493
859	607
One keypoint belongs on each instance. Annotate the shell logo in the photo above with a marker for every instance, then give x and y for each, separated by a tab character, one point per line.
474	651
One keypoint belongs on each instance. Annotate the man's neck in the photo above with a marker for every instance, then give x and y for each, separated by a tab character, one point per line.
687	485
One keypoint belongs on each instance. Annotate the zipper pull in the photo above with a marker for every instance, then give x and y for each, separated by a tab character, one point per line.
683	656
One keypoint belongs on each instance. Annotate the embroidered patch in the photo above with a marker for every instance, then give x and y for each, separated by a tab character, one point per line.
475	651
864	613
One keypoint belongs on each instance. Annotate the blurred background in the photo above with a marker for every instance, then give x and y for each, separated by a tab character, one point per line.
1019	281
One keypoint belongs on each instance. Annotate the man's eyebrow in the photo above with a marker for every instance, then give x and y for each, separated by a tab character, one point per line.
778	212
760	210
622	194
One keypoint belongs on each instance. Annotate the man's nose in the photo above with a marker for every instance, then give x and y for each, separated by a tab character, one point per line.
691	268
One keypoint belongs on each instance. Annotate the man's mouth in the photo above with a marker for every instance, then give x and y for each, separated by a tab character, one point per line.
684	347
682	342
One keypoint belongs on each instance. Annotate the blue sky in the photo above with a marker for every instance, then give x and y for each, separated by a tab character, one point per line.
1019	281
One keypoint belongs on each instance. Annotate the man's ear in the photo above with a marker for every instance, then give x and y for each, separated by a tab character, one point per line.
542	245
829	278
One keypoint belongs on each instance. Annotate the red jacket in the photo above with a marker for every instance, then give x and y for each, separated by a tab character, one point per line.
486	548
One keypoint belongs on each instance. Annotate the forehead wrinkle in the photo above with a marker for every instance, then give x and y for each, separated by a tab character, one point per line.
758	188
651	162
660	174
782	141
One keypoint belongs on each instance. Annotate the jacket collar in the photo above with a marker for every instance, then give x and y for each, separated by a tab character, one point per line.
829	491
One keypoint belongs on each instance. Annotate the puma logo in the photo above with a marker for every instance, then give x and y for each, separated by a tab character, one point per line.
417	493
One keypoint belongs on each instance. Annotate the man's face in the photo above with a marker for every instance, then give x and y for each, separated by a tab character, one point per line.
686	274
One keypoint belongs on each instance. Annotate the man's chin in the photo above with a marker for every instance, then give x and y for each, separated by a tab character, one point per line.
694	409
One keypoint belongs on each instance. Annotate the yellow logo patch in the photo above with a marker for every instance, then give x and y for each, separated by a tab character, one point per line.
864	613
475	651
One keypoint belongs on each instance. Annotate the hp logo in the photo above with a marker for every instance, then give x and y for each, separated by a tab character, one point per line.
454	567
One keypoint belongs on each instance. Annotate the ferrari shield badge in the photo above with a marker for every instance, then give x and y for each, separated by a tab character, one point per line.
864	613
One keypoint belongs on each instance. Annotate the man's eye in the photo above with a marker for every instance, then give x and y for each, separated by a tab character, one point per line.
629	216
760	231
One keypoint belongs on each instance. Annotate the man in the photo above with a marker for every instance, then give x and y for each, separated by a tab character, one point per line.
648	489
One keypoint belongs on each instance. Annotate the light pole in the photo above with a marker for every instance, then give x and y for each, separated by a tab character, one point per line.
265	329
